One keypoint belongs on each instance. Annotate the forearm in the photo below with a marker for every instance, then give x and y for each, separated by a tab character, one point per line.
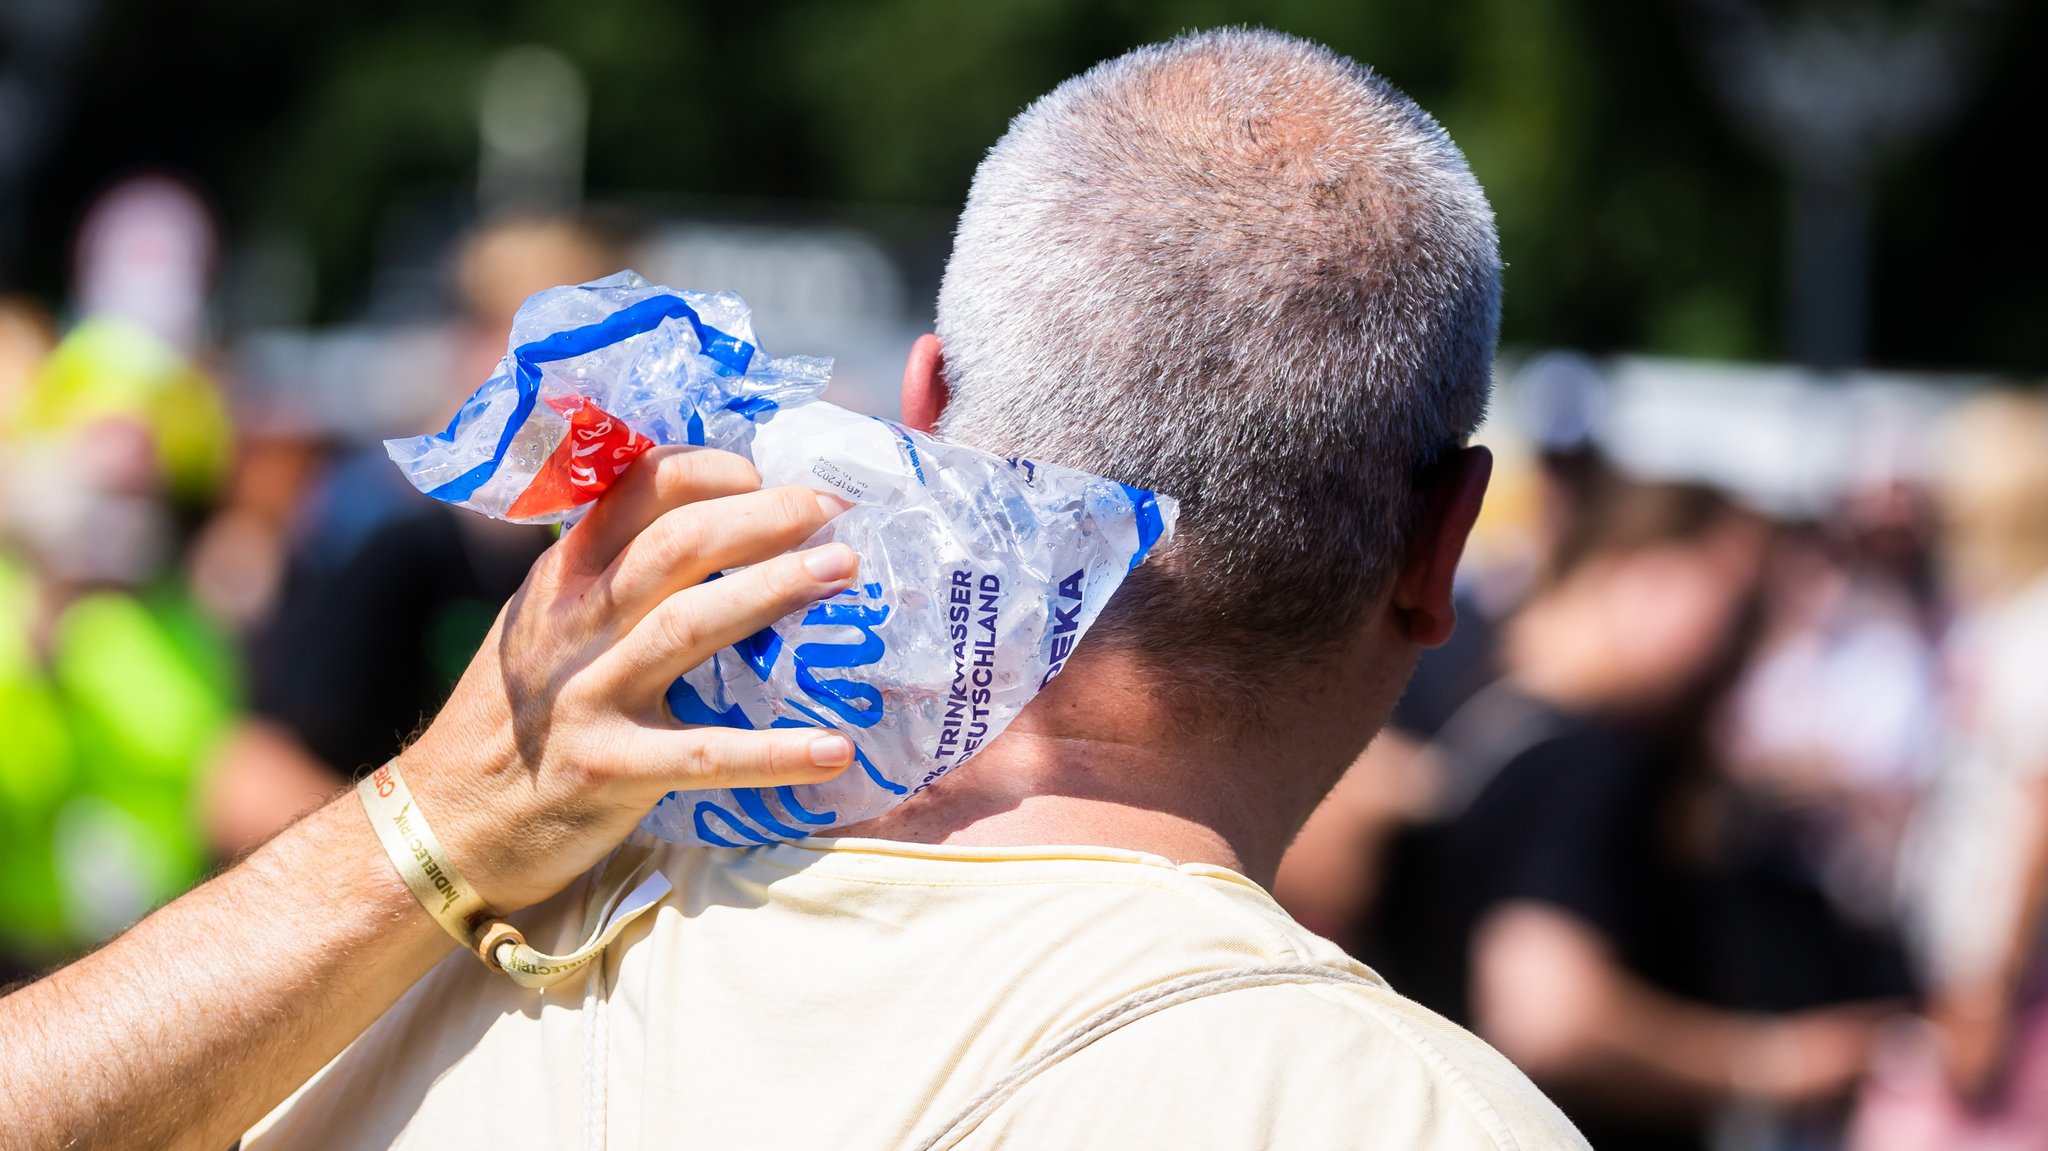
1974	1014
1550	993
1708	1054
1682	1053
262	779
196	1022
1554	1001
2030	864
188	1029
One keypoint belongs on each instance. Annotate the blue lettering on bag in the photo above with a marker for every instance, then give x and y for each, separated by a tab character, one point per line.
909	449
853	701
798	811
1066	627
857	702
860	757
752	803
701	817
688	707
760	650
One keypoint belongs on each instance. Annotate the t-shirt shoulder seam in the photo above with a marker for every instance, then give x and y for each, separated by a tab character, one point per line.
1361	1003
1196	890
1358	999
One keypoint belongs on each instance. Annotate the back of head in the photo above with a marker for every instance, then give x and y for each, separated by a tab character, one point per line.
1243	270
1623	517
509	258
1650	609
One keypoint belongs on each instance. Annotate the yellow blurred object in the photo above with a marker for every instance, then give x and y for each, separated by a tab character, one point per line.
1512	517
26	337
512	258
1993	489
108	367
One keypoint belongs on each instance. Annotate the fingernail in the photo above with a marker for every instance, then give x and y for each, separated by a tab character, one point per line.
831	751
831	562
831	505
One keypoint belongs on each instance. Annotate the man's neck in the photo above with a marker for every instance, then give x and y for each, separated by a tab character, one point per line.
1091	765
1027	790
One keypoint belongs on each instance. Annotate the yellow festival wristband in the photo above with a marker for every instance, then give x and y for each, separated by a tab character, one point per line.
462	913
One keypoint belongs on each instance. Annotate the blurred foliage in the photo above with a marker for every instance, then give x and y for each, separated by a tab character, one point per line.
1633	216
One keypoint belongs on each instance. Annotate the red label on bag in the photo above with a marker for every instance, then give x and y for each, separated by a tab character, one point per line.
598	447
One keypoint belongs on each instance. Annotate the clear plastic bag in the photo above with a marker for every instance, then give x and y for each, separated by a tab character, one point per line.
978	574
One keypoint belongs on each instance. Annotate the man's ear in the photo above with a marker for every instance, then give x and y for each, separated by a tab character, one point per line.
1422	589
924	385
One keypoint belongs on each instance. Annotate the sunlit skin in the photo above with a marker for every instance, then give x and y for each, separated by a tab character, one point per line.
1630	634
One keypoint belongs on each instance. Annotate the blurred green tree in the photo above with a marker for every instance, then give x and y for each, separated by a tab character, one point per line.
1633	214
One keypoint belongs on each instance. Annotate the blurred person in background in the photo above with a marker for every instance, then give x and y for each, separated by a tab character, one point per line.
236	562
1834	730
1562	898
1977	866
114	686
386	595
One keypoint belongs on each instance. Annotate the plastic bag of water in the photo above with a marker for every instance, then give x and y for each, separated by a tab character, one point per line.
978	575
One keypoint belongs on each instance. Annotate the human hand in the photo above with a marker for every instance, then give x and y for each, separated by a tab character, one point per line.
558	738
1809	1056
1972	1031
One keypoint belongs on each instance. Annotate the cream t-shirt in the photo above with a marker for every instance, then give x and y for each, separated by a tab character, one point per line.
865	994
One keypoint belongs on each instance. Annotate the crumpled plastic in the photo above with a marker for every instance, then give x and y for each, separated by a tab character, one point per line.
978	574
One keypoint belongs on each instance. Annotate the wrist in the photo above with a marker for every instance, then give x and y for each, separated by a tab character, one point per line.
438	886
333	860
415	850
1759	1059
513	830
449	780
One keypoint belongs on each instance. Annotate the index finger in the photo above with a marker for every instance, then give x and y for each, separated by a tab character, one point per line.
664	479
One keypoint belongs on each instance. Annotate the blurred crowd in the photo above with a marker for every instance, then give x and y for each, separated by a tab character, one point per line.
216	607
1728	823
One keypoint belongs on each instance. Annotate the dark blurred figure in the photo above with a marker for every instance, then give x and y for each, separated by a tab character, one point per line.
387	593
1572	897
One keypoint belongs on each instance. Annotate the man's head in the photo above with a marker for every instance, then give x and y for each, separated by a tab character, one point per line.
1650	608
1245	271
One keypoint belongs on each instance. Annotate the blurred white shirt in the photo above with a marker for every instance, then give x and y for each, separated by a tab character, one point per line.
1962	867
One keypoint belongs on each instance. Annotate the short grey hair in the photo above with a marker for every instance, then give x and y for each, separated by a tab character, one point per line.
1246	271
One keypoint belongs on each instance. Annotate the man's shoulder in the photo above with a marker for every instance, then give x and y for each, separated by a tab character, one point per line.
1310	1063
